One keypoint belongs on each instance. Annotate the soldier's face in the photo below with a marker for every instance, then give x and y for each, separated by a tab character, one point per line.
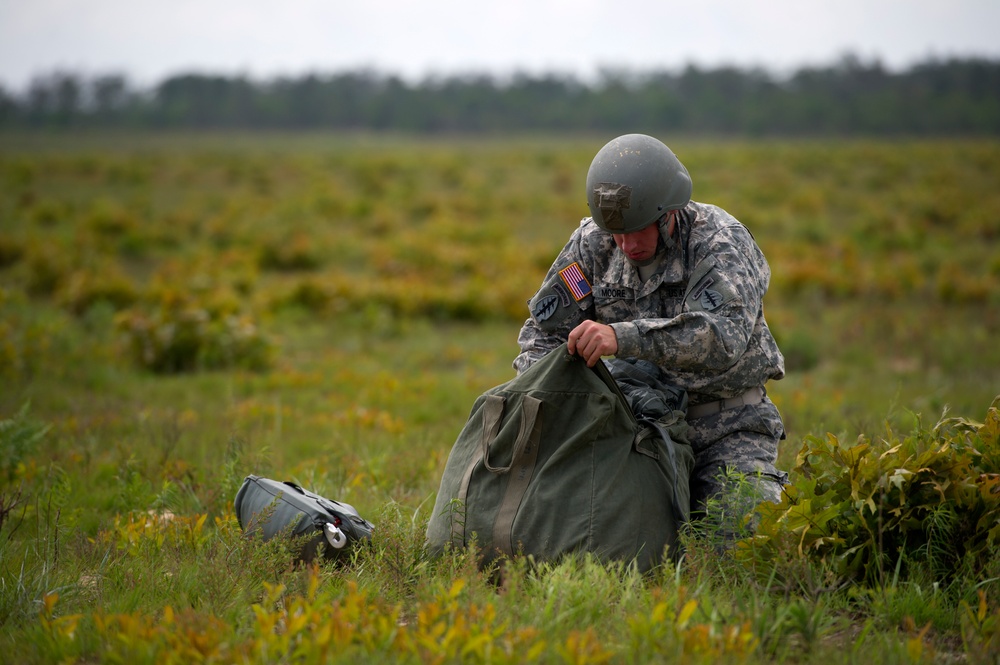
639	245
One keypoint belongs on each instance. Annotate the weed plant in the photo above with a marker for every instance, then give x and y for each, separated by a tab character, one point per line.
178	313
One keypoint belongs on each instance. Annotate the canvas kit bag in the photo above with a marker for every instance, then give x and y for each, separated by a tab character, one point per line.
327	528
555	461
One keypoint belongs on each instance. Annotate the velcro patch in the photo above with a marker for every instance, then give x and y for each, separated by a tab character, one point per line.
553	307
575	281
696	294
612	198
710	300
545	307
563	294
613	292
710	292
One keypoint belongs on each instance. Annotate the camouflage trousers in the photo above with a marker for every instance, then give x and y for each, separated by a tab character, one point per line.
735	451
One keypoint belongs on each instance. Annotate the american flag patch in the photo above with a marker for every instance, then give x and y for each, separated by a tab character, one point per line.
577	283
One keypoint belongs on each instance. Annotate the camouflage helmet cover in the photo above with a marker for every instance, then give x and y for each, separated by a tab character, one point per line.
633	181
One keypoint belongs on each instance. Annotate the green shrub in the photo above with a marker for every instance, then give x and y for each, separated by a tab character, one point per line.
48	267
185	334
11	251
293	252
19	437
49	213
867	510
85	288
109	218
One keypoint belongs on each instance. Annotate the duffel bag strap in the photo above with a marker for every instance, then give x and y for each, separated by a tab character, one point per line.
523	463
492	417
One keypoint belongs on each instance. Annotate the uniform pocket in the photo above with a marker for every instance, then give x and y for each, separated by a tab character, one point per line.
764	418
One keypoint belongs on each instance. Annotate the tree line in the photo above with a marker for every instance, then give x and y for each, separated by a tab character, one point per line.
954	97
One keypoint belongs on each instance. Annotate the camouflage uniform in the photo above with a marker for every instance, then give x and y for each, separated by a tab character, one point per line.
699	317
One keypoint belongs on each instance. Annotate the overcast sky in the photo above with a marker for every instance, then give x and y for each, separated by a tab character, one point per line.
149	40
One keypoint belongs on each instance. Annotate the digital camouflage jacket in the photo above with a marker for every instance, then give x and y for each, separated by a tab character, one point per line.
699	317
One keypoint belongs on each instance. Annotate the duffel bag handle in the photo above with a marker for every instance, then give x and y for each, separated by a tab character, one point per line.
493	415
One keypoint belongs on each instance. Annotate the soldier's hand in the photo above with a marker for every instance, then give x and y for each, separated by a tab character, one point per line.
590	340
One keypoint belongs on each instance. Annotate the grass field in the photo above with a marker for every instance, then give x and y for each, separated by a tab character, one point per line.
179	311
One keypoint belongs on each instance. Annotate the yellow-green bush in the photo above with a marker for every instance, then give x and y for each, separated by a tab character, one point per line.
11	251
875	509
84	288
186	336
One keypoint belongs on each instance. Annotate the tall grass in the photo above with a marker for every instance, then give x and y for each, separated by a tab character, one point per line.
176	315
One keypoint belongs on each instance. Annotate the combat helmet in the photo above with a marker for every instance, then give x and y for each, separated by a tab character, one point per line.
633	181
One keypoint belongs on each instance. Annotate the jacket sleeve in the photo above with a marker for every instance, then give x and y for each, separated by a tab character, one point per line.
722	302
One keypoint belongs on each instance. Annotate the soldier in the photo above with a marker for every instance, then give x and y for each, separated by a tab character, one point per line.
653	275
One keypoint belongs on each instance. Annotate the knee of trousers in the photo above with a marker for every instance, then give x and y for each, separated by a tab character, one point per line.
757	484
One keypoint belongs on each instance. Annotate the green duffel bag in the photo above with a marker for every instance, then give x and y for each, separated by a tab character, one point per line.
554	461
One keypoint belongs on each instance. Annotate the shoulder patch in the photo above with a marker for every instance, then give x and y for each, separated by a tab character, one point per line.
575	281
545	307
553	307
708	289
696	294
710	300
